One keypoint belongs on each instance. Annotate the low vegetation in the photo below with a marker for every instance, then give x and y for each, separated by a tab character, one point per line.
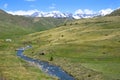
17	26
11	29
14	68
88	49
115	13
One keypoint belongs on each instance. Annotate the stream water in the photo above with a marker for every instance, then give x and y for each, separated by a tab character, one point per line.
52	70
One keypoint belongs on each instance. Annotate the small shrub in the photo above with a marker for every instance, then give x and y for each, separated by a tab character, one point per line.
103	52
89	75
65	24
62	35
106	34
51	58
76	23
70	24
42	53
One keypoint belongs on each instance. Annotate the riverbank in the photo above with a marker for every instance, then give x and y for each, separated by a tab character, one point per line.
75	69
86	48
14	68
45	66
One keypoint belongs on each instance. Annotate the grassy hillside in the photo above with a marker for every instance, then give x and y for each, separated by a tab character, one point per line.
115	13
14	68
16	26
88	49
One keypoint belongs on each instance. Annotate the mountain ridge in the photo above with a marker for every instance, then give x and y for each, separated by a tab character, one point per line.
79	14
115	13
57	14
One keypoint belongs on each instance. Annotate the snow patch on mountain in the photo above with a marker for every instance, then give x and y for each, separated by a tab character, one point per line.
78	14
105	11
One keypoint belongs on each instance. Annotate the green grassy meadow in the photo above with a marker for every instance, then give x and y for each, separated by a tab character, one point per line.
88	49
17	26
14	68
14	27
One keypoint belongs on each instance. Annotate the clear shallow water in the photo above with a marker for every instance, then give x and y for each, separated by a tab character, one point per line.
46	67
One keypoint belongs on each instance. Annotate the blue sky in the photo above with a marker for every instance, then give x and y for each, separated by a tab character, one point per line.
58	5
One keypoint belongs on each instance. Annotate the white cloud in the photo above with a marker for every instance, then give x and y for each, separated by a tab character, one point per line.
85	11
105	11
88	11
53	6
79	11
32	6
30	0
5	5
21	12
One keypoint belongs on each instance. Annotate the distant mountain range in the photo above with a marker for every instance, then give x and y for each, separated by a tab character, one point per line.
79	15
58	14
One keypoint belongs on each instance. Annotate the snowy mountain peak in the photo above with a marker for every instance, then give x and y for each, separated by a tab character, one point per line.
78	14
57	14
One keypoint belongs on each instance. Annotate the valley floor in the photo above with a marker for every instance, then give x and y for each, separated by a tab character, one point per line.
88	49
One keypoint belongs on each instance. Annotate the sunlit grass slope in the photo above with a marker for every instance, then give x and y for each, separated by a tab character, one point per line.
12	26
88	49
14	68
